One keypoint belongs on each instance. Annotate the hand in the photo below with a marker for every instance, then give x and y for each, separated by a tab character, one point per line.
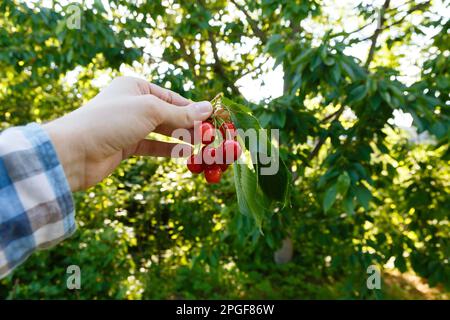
92	140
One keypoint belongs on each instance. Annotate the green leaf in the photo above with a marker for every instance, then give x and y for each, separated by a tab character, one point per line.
326	177
396	92
375	102
372	85
329	198
400	262
275	186
348	70
279	118
357	94
264	119
99	6
316	61
348	204
304	56
336	73
342	184
251	201
241	200
329	61
363	195
386	97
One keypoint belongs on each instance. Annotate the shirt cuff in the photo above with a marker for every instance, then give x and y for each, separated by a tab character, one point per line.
35	197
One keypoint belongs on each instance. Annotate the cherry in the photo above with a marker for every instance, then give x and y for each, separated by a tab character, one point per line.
194	164
213	173
209	155
231	151
207	132
214	161
228	130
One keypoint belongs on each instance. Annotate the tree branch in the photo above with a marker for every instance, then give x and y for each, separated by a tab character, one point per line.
377	32
250	70
218	67
322	140
332	115
343	33
253	24
415	8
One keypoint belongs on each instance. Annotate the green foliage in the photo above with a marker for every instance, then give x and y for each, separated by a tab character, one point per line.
256	189
353	188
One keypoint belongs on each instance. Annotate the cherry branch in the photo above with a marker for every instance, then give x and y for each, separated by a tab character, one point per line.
315	151
377	33
218	67
253	24
410	11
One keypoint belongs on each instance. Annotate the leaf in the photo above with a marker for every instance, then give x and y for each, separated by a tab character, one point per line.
336	73
375	102
315	63
275	186
372	85
264	119
396	92
363	195
342	184
279	118
348	70
329	198
241	200
304	56
386	97
327	176
357	94
400	261
99	6
250	198
348	204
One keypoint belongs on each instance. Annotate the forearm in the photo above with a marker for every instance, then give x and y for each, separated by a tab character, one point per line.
69	150
36	206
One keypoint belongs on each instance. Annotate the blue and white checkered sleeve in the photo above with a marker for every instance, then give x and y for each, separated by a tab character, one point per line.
36	205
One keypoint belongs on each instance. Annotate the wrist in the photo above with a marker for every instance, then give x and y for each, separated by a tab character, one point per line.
70	153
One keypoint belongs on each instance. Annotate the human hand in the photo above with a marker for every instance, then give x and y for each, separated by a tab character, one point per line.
92	140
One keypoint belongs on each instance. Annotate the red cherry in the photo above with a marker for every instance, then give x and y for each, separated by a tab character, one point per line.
228	131
213	173
209	155
231	151
207	132
223	167
194	164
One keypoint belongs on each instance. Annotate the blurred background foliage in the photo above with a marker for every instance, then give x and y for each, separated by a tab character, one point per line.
365	190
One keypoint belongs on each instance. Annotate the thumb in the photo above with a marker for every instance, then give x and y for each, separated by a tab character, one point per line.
185	116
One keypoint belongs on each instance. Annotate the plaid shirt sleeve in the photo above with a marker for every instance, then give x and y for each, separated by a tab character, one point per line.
36	205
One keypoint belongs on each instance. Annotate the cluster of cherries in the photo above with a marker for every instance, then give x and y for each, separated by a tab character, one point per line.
213	161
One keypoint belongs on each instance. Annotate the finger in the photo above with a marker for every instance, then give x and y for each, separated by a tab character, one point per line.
169	115
137	86
162	149
168	95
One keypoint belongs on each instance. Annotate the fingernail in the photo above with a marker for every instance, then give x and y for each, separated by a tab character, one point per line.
203	107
